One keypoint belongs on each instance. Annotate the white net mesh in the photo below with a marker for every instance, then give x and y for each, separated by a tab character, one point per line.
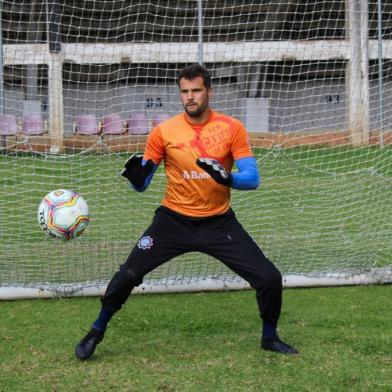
83	82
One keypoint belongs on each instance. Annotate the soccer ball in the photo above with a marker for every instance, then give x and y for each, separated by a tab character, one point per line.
63	214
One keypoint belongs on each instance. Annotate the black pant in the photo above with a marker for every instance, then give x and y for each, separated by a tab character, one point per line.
222	237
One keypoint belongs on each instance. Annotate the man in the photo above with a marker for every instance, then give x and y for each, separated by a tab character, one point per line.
199	148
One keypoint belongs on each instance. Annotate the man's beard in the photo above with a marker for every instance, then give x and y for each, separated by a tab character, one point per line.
198	112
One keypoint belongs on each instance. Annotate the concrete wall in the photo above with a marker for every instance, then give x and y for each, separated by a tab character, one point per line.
293	106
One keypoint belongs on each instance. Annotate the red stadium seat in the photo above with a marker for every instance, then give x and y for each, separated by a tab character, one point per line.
33	124
158	117
113	125
87	124
8	125
138	124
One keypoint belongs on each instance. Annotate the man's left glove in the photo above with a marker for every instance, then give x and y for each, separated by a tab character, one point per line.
135	172
216	170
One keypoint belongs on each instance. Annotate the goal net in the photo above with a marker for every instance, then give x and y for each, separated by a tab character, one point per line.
83	82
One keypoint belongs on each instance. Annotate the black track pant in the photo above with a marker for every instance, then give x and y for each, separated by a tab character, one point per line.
221	237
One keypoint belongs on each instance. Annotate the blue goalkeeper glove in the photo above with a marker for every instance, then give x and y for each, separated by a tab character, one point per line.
216	170
136	171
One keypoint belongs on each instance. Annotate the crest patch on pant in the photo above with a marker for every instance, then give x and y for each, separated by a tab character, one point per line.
145	242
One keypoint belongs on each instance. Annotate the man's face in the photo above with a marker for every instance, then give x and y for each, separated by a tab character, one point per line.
194	96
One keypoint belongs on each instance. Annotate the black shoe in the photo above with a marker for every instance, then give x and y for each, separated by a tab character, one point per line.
86	347
276	345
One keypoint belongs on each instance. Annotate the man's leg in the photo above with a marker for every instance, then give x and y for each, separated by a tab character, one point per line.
225	239
159	243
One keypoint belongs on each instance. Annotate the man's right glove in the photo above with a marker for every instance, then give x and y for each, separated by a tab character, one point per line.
136	172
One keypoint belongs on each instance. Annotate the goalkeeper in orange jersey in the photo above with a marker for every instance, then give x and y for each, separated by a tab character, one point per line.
199	148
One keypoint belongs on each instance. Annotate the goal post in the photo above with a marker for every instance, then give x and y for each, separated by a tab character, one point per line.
83	82
375	276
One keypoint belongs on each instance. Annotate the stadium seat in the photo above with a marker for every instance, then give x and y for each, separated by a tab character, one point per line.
138	124
8	125
33	124
158	117
113	125
87	124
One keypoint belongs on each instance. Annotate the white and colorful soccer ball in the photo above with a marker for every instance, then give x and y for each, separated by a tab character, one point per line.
63	214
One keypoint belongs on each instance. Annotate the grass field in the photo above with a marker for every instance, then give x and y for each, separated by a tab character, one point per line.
317	210
202	342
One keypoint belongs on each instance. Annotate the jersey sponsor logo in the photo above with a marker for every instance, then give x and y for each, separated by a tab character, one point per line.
195	175
213	140
145	242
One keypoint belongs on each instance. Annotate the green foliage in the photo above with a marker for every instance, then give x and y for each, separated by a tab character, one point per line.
201	342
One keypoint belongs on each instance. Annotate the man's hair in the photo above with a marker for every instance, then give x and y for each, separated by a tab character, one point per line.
193	71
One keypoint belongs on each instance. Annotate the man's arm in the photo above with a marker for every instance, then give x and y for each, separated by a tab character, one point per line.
246	178
139	169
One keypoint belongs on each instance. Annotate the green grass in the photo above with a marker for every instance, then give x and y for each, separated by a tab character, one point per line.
202	342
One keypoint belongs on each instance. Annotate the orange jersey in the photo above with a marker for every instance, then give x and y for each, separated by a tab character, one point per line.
190	190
